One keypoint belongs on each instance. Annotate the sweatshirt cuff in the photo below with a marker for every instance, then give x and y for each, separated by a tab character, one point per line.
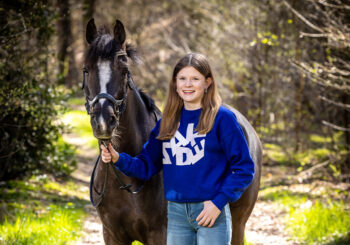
120	160
220	201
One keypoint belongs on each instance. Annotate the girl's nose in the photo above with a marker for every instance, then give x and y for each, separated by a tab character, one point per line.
188	83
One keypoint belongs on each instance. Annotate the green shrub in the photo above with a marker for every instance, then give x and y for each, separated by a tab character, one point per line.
30	101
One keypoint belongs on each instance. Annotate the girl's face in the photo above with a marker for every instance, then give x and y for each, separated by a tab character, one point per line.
190	85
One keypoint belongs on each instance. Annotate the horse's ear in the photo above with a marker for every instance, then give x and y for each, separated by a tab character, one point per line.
119	32
91	31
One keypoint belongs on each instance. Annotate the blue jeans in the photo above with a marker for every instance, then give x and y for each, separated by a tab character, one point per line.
183	229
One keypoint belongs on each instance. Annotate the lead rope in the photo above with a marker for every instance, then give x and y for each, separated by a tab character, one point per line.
100	196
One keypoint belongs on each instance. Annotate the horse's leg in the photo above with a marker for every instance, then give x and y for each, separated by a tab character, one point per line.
237	233
156	238
240	216
110	240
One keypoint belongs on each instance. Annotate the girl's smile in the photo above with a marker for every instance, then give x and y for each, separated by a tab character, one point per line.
191	85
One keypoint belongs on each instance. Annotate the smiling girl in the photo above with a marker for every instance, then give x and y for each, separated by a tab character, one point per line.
203	153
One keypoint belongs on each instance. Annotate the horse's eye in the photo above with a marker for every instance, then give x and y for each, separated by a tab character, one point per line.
123	58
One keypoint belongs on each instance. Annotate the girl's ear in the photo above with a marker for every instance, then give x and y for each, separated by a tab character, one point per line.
209	81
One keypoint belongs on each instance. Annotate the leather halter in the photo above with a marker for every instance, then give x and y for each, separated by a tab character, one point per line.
119	106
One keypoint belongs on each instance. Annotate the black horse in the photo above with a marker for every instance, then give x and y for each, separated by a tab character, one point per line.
125	116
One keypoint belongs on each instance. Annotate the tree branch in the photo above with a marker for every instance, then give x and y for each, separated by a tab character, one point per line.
333	126
344	106
342	6
304	34
302	17
308	172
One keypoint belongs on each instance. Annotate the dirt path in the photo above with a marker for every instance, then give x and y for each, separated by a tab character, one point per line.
265	225
92	228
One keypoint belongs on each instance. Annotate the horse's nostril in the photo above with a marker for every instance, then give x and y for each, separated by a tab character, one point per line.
112	121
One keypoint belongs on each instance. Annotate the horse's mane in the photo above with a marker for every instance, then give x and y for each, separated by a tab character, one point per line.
105	46
149	102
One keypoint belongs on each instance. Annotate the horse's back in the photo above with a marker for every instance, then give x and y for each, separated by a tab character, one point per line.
241	209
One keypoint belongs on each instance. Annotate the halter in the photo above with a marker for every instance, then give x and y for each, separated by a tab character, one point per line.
119	107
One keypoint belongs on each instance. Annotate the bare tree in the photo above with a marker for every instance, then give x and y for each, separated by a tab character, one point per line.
330	23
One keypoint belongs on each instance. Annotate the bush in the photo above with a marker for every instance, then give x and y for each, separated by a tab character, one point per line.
29	99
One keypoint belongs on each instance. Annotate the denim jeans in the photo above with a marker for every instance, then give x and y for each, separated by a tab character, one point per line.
183	229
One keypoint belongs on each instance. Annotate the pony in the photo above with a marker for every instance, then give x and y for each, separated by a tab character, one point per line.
122	114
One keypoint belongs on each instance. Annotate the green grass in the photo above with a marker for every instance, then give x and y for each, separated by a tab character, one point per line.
76	101
57	225
137	243
308	219
319	223
79	121
41	211
284	197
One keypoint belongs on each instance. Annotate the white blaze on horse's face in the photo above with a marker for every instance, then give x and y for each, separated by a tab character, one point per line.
104	73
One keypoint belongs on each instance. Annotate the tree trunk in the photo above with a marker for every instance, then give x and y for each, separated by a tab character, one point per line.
67	65
346	169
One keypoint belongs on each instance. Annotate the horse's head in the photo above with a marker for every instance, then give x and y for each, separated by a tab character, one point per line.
106	77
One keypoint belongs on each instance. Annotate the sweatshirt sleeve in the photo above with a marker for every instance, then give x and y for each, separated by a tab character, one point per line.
240	171
147	163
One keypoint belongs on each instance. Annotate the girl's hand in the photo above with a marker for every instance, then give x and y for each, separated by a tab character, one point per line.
109	154
208	215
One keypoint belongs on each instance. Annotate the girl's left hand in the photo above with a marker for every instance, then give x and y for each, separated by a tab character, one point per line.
208	215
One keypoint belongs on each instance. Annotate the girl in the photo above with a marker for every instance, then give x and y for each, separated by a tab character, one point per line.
203	153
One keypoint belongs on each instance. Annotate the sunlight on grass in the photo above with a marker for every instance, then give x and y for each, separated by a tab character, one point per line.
59	225
318	223
79	121
275	153
68	189
77	101
41	211
284	197
308	220
137	243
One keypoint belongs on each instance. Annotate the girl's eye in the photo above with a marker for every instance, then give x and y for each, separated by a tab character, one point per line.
181	78
196	78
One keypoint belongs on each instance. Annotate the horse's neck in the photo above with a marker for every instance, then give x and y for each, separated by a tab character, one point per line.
135	124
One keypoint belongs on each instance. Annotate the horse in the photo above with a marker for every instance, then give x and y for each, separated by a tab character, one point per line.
122	114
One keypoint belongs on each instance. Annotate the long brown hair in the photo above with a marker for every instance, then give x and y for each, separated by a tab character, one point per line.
211	100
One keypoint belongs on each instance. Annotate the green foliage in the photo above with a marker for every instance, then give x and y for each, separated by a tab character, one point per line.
304	159
275	153
319	223
31	101
319	139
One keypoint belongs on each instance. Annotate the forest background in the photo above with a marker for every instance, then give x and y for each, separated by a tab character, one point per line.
285	64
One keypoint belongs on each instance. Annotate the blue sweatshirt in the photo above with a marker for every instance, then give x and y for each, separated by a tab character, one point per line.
216	166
